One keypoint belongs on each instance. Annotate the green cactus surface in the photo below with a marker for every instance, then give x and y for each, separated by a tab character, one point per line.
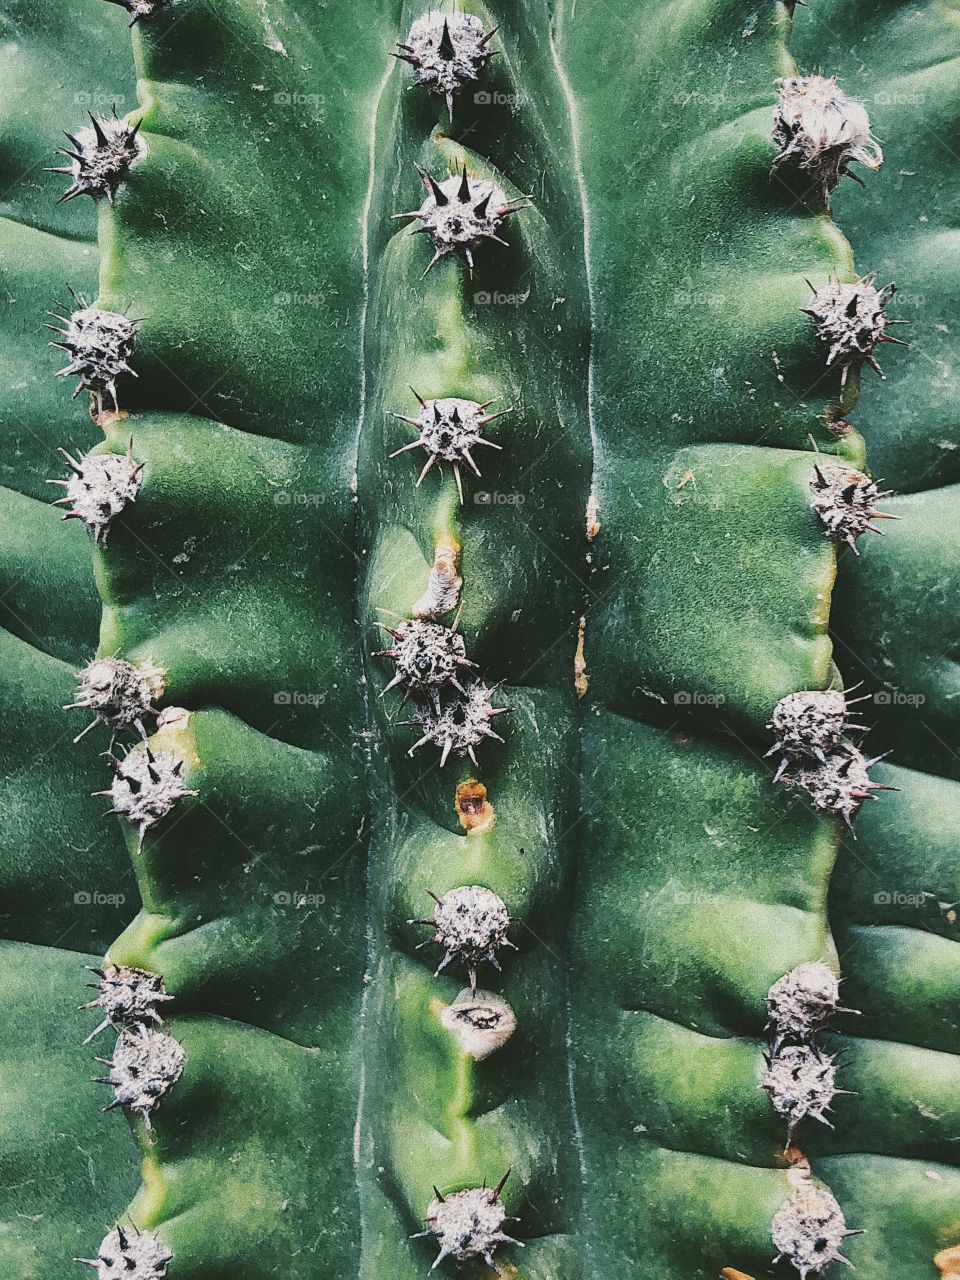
477	797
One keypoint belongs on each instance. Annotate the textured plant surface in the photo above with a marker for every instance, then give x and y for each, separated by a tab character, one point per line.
449	826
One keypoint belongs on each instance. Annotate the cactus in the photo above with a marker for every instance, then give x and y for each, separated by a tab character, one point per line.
535	861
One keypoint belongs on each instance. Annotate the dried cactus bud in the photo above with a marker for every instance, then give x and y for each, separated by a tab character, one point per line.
839	784
850	321
458	217
844	501
471	925
802	1002
119	693
146	786
100	345
444	584
139	9
128	1254
428	656
446	52
144	1067
461	725
449	429
101	157
809	723
816	124
128	997
809	1230
101	487
480	1022
468	1224
801	1081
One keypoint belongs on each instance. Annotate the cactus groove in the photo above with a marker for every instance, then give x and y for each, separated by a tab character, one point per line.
535	855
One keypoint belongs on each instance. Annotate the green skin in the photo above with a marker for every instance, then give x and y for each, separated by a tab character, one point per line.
657	882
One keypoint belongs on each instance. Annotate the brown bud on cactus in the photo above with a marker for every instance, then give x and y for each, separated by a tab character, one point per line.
119	693
101	487
146	786
129	1254
444	584
823	131
844	501
428	656
100	345
850	321
471	925
461	725
448	430
802	1002
446	52
128	997
101	157
469	1224
144	1067
800	1080
480	1022
809	1231
459	217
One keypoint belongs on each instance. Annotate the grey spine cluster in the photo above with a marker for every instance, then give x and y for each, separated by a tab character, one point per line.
469	1224
816	757
128	1254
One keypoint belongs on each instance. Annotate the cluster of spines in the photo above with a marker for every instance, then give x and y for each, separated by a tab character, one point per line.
843	500
850	320
816	756
119	693
470	923
447	429
100	345
800	1079
100	158
446	52
452	706
146	786
452	714
101	487
146	1062
459	218
469	1224
818	127
128	1254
